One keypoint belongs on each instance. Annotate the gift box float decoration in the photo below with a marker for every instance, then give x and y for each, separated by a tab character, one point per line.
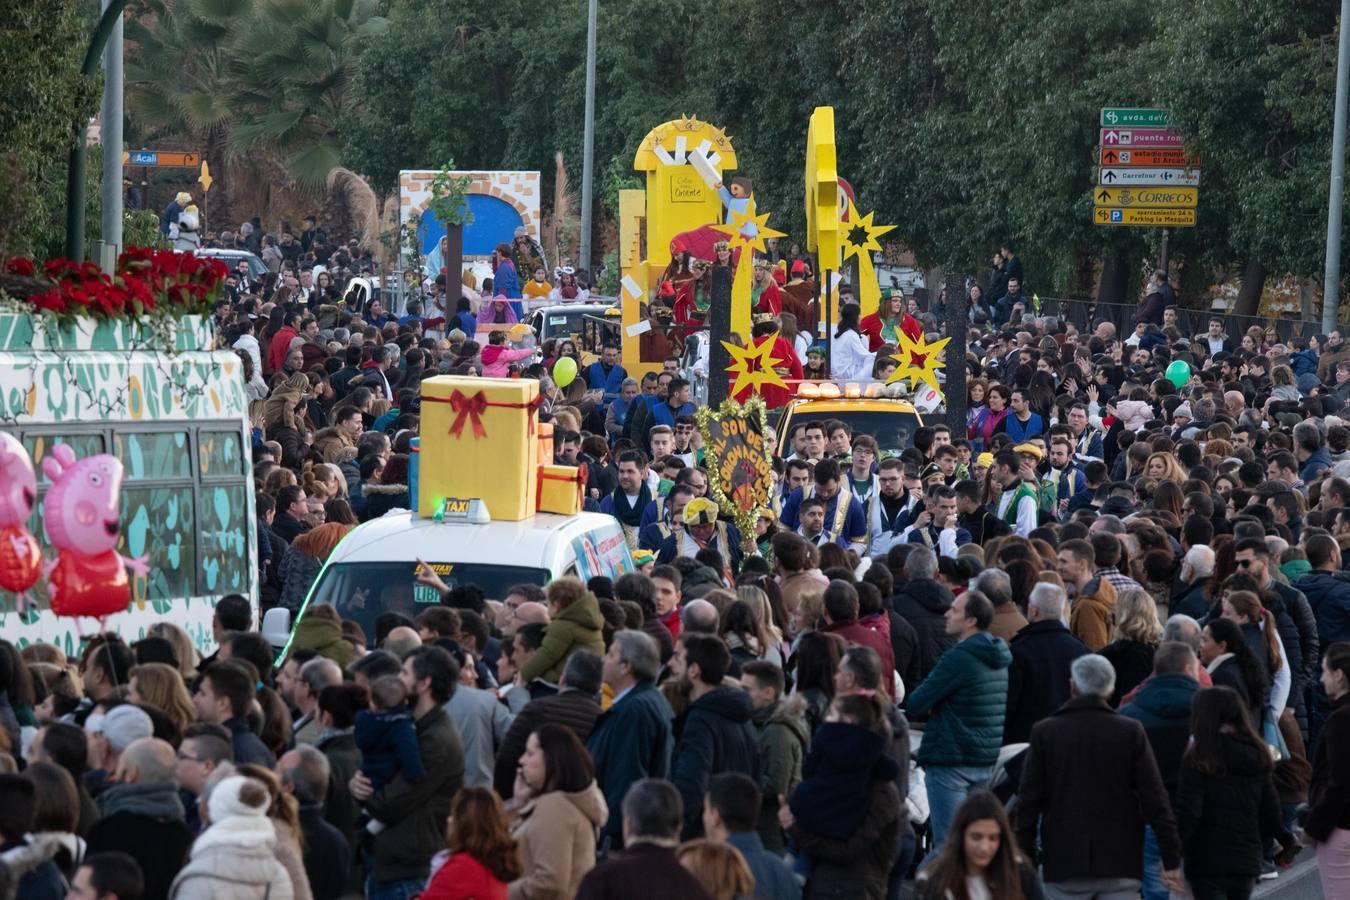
481	439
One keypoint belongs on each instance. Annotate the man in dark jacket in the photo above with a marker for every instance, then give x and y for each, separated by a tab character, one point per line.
142	815
924	603
1327	589
718	735
223	697
841	618
1089	785
574	706
729	814
1042	652
338	706
965	699
632	740
1163	707
415	812
304	774
652	816
1255	555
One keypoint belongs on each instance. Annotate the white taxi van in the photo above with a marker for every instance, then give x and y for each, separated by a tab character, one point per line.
374	569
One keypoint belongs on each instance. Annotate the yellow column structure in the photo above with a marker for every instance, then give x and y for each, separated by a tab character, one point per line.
676	199
823	236
633	272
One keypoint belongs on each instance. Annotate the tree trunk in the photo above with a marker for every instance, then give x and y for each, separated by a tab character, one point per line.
1115	274
1249	295
454	267
957	330
719	330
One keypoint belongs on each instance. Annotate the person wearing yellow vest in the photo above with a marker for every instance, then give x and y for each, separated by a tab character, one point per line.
843	513
701	530
1017	501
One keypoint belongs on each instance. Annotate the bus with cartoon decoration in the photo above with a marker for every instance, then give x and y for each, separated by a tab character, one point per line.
173	410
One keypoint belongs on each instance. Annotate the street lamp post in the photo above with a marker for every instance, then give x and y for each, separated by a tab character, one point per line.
112	139
1331	281
112	16
588	144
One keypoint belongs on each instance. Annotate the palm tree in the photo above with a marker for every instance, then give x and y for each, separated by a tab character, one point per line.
260	84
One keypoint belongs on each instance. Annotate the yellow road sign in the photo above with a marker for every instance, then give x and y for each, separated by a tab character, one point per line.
1158	197
1155	218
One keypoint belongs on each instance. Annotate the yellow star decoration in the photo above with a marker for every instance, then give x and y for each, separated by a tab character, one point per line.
762	353
751	239
861	226
919	361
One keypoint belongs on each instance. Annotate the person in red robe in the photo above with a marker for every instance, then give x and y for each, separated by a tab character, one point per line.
790	367
764	294
693	299
799	298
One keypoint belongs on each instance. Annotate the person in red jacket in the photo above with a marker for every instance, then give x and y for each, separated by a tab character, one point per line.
790	367
890	320
482	857
281	341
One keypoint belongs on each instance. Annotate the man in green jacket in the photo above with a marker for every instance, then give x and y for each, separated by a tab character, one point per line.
415	812
964	698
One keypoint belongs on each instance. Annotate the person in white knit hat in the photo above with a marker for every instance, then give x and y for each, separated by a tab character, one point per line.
235	858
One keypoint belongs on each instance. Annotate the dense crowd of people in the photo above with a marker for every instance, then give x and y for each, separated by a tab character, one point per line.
1116	595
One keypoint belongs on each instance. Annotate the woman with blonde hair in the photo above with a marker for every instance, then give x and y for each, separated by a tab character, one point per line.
303	560
283	418
1136	637
160	685
758	601
183	648
1164	467
719	867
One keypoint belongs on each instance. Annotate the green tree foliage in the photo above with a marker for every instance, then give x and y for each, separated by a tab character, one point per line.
46	104
262	78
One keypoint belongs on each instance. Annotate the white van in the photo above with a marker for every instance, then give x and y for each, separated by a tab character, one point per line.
374	569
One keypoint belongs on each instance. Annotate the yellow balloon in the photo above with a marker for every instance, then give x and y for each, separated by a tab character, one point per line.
564	371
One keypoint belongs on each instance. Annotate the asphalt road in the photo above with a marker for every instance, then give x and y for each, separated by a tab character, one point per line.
1298	882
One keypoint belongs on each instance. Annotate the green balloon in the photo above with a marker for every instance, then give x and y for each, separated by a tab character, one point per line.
1179	372
565	371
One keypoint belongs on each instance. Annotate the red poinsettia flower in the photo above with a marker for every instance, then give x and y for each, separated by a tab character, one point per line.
20	266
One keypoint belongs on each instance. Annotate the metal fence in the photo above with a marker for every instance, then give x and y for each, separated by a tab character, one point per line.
1088	314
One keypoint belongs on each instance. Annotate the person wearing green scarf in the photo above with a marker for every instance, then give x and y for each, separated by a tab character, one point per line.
631	497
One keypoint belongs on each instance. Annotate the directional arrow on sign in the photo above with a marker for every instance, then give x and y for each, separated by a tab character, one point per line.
1103	196
1154	176
1109	157
1111	137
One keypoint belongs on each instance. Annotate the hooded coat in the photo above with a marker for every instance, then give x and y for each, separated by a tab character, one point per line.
556	832
1163	707
717	737
323	636
923	603
783	738
965	698
575	628
1328	595
234	859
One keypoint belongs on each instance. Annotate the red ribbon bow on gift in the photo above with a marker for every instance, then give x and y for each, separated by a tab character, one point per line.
579	479
470	407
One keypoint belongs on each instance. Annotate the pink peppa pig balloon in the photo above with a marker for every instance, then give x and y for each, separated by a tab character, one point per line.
20	557
89	577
